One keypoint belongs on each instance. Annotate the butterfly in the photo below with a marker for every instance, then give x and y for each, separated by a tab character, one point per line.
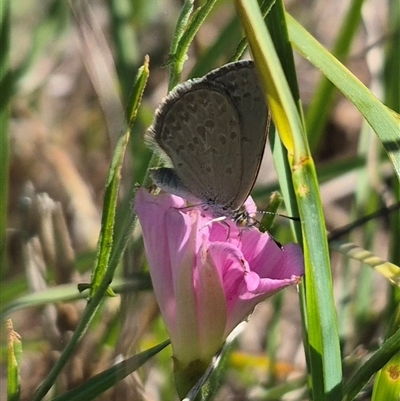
213	131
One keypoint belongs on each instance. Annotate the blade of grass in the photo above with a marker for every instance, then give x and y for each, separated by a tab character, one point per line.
15	288
100	278
110	198
124	36
100	66
381	357
102	275
321	103
392	94
181	25
326	173
274	12
187	26
366	200
265	8
389	270
284	111
383	212
13	363
392	62
109	252
387	380
98	384
69	292
384	121
323	340
182	40
223	46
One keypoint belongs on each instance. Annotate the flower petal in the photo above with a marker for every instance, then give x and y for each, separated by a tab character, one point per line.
151	211
268	259
208	275
249	279
186	341
211	305
250	206
169	243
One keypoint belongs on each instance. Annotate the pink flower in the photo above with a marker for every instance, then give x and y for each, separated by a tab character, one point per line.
208	278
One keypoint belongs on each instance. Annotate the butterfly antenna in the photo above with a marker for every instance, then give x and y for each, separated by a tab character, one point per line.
279	214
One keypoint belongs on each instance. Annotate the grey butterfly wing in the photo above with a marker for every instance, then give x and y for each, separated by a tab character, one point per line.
242	82
168	180
198	127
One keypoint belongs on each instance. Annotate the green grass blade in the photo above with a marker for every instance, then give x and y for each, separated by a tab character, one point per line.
124	37
223	46
69	292
181	25
323	340
389	270
265	7
60	293
392	62
274	12
284	111
381	357
387	381
321	103
13	363
106	239
384	121
15	288
323	337
181	45
137	93
105	380
108	218
100	283
108	255
187	26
